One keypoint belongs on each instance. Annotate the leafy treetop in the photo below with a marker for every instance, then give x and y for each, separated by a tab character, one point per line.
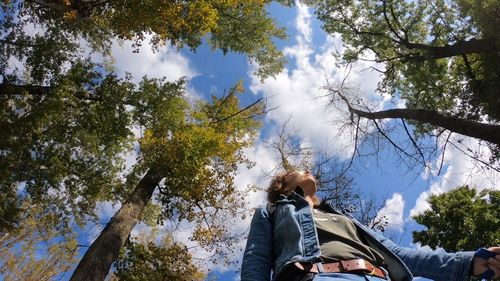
461	219
46	34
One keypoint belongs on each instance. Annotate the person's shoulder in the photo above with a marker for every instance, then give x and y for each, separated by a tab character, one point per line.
264	210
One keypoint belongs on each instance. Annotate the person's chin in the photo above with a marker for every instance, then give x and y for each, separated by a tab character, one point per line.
311	181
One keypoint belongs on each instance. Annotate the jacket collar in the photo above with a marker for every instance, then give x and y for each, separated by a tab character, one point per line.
294	198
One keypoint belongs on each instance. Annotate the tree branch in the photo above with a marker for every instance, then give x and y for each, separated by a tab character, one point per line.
239	111
413	141
8	89
392	142
487	132
460	48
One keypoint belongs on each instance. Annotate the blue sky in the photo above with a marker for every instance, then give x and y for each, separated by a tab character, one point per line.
296	95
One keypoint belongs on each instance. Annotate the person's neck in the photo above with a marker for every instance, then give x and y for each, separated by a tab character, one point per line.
309	199
308	194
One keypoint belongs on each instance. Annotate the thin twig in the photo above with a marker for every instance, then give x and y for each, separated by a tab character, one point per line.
413	141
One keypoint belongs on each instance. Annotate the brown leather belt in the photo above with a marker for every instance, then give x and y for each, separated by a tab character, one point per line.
347	266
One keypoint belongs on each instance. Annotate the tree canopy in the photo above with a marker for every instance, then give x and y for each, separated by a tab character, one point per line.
461	219
437	56
66	143
67	137
148	260
37	249
47	34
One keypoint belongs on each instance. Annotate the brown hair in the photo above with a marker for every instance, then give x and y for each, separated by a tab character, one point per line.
278	185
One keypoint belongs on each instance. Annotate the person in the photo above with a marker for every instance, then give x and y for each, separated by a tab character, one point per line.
298	238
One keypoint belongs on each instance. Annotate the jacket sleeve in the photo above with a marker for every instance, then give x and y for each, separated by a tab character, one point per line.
437	265
257	258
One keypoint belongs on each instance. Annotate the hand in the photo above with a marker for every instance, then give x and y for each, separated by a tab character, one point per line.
481	265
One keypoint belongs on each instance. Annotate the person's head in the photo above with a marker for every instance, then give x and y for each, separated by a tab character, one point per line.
299	181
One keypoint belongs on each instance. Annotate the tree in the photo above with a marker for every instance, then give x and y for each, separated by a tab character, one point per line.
63	143
61	126
64	147
418	149
461	219
147	260
47	34
440	57
191	154
487	132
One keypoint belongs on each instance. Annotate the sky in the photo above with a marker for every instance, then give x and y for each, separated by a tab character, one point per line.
297	97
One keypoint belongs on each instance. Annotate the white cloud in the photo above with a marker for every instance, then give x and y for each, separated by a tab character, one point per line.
106	210
165	62
393	211
299	92
461	170
303	23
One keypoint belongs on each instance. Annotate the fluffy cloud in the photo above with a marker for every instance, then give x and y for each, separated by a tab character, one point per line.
164	62
461	170
393	211
298	93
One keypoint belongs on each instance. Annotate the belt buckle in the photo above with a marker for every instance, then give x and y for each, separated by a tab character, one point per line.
368	264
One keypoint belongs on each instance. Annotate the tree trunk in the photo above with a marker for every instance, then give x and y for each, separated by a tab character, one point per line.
487	132
460	48
98	259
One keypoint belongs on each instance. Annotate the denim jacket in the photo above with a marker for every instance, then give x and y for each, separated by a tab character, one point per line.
287	234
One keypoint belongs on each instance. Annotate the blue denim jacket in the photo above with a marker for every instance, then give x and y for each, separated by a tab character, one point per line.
287	234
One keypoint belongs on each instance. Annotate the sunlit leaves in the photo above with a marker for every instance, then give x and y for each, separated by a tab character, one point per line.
37	249
197	148
157	261
47	35
461	219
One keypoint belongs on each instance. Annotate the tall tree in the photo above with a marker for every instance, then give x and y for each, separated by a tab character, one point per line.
61	125
460	219
68	123
440	57
65	143
190	153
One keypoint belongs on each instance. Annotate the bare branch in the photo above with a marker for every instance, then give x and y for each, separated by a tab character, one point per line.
487	132
475	158
413	141
392	142
238	112
444	150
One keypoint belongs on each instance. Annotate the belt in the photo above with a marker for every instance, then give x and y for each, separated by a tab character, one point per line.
346	266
